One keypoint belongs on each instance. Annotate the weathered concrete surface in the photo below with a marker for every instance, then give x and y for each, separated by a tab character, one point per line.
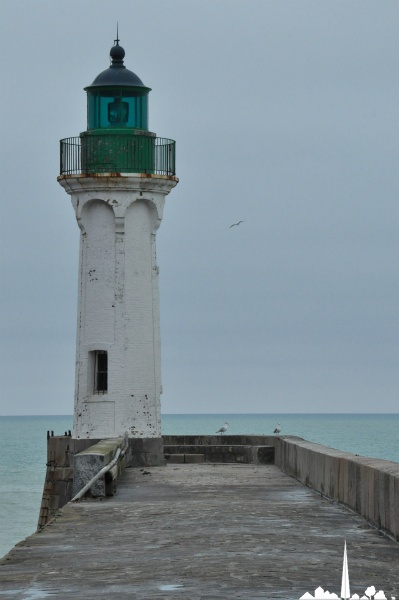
219	531
370	486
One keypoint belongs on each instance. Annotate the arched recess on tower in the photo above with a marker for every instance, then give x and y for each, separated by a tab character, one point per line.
98	271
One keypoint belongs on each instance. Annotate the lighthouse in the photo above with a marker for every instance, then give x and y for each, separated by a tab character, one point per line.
118	174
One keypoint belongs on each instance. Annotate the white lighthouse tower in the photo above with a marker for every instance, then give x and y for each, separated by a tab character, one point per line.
118	174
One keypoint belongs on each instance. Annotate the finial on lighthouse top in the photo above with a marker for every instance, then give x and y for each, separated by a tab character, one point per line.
117	53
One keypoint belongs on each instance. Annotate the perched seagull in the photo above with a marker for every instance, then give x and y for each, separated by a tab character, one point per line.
236	224
278	428
223	428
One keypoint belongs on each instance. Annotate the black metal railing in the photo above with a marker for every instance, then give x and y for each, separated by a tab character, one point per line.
118	153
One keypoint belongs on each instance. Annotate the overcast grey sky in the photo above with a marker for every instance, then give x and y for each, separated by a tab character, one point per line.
285	115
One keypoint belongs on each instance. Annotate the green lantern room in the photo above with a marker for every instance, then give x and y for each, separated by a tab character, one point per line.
117	98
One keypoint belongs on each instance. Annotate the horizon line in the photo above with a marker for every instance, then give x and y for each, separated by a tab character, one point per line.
224	413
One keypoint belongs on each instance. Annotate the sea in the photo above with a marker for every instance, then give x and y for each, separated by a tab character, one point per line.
23	443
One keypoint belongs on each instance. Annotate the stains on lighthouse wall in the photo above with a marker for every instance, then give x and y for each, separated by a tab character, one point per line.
118	367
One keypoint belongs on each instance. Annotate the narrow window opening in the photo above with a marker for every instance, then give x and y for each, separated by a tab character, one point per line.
101	372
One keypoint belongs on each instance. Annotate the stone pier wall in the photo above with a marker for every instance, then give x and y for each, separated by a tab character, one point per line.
58	481
369	486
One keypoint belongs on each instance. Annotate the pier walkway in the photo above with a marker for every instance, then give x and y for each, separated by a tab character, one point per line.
207	531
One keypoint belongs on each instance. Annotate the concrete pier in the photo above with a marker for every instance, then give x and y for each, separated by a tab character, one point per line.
201	531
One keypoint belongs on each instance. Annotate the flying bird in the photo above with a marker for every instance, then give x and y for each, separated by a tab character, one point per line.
223	428
236	224
278	428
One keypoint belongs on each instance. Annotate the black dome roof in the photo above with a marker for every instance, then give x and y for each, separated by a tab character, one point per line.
117	74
